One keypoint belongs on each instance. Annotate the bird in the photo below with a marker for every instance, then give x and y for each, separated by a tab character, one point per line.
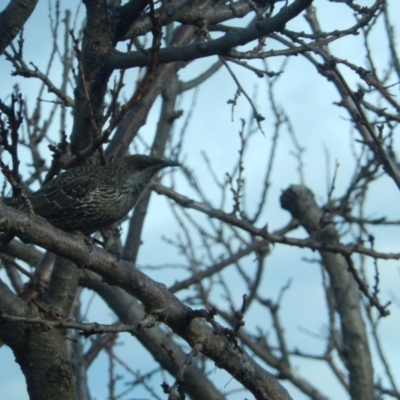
92	197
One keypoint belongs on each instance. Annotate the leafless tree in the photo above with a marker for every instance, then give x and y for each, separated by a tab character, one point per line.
222	232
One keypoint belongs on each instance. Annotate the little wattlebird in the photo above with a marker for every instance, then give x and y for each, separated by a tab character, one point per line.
92	197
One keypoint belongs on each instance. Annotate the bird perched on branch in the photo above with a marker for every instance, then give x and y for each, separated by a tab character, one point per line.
92	197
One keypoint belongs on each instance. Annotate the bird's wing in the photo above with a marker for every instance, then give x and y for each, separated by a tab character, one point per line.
64	193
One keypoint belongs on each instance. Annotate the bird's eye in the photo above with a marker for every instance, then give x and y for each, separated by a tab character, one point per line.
142	166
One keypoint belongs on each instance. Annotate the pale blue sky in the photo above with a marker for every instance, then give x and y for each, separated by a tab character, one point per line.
308	98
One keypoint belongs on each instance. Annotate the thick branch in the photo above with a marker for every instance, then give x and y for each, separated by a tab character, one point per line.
153	295
136	116
155	340
128	13
12	20
184	12
134	238
244	224
221	46
300	202
40	354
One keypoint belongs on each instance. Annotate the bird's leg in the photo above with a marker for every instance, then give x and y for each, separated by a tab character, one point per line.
111	242
97	241
90	241
115	253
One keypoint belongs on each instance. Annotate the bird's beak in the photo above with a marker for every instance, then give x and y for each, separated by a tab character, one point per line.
169	163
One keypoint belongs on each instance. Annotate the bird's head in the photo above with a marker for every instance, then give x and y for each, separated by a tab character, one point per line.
139	169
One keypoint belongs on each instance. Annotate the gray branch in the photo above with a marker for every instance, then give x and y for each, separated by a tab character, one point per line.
154	296
12	20
300	202
220	46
